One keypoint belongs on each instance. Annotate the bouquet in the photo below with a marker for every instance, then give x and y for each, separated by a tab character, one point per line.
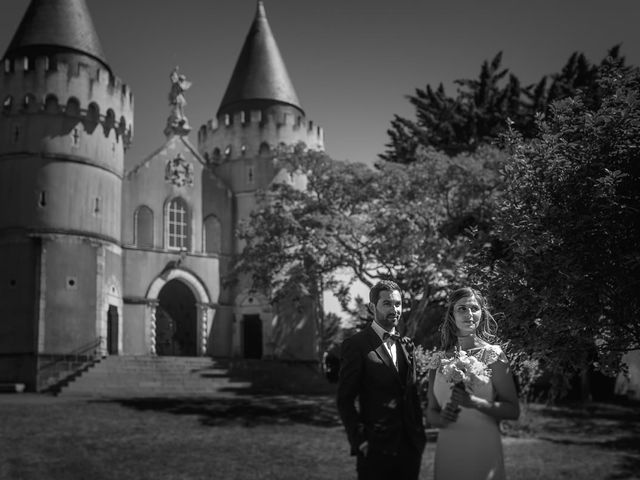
464	369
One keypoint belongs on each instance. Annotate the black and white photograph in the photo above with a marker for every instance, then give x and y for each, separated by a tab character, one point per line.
347	239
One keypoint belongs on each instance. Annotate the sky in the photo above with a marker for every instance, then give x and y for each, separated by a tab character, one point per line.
352	62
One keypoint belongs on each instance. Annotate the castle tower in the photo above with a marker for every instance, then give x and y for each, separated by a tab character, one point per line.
64	126
260	111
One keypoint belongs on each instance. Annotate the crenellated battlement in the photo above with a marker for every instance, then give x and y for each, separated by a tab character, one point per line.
247	132
40	85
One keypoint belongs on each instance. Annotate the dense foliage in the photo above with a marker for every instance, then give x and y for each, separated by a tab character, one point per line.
540	211
348	223
570	216
477	114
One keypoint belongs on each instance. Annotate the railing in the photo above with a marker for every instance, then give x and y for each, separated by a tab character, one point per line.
70	363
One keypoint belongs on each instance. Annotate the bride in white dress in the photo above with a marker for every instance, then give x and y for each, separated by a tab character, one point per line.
469	445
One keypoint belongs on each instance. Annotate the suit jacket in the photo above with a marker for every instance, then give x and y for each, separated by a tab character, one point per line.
388	404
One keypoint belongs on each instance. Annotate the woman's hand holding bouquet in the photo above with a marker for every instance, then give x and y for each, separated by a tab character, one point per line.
462	371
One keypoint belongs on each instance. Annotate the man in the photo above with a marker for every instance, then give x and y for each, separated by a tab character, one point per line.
386	432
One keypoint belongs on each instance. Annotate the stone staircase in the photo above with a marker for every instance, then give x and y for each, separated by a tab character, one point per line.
137	376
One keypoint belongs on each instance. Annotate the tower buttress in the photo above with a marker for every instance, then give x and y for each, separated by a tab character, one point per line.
65	123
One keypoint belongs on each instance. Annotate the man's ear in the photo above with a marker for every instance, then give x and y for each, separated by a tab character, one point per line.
372	309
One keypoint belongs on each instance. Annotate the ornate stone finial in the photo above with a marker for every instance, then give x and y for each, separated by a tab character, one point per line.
177	123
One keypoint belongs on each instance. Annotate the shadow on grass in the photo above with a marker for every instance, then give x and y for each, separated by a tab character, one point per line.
246	411
612	427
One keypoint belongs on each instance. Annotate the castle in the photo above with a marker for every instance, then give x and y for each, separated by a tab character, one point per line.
96	258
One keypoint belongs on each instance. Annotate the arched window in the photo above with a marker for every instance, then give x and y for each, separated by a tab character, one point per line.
177	231
73	107
29	103
109	120
51	104
93	113
264	149
143	227
212	232
7	104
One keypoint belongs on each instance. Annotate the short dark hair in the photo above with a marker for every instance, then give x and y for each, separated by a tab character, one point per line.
382	286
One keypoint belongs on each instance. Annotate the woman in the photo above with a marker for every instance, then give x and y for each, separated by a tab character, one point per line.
469	445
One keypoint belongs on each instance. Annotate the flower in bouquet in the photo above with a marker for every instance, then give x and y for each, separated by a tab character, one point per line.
464	369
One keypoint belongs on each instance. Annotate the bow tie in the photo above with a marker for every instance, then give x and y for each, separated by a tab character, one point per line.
393	336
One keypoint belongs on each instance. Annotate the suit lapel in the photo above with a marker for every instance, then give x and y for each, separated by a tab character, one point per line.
377	346
409	364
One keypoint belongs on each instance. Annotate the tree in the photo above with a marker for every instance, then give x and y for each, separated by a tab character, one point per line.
570	216
479	112
348	223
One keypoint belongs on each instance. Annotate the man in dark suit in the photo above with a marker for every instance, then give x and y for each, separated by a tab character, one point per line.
386	431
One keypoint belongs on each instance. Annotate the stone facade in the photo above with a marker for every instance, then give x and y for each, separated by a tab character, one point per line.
130	263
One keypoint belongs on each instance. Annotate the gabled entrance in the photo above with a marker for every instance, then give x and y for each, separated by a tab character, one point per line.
180	314
176	321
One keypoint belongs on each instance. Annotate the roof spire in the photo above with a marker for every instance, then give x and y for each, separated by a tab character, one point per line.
57	26
260	12
260	73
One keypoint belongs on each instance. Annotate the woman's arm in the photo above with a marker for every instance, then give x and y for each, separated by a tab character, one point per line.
505	406
437	416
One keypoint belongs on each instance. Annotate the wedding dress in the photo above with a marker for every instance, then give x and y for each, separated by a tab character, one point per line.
470	448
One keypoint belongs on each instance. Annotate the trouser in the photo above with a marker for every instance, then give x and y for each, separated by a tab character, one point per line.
405	465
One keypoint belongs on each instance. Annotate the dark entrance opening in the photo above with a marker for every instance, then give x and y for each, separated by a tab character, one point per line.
176	322
112	330
252	336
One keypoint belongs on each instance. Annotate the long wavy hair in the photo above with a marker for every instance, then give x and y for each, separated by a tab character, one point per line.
487	327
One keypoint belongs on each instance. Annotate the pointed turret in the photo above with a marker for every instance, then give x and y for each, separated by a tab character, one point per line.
260	76
58	27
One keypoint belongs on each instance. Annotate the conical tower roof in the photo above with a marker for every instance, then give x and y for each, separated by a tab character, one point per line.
58	25
260	72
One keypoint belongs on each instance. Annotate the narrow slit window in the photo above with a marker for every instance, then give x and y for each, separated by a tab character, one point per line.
75	137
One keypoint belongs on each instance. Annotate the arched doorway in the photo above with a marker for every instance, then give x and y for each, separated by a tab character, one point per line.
176	320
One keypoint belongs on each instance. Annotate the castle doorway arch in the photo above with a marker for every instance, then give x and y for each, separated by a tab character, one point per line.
176	321
179	315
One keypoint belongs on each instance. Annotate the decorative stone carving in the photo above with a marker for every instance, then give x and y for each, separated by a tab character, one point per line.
177	123
203	311
179	172
152	306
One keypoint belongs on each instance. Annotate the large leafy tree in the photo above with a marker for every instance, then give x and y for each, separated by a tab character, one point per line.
346	222
570	215
478	113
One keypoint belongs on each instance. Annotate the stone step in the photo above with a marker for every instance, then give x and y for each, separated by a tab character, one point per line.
131	376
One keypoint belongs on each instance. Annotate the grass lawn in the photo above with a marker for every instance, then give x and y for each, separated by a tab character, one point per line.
273	437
